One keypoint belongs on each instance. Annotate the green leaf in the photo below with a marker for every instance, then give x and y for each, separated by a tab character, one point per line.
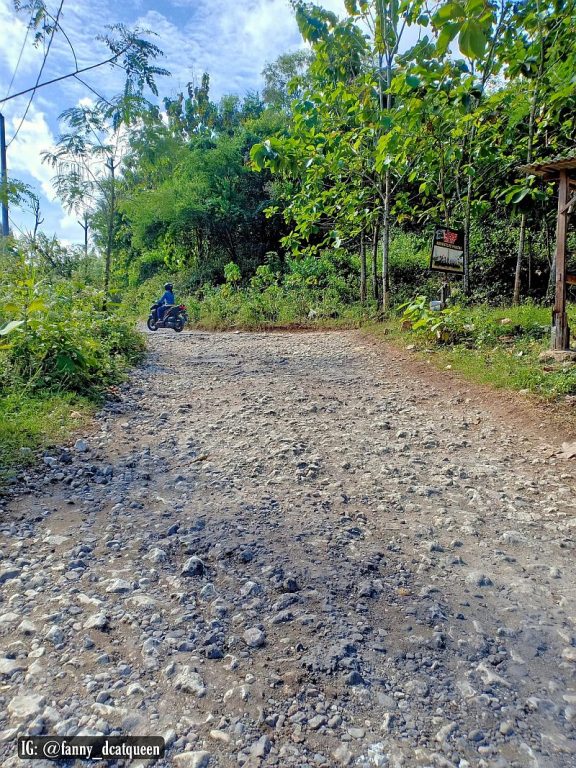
448	33
413	81
472	40
37	306
520	195
450	11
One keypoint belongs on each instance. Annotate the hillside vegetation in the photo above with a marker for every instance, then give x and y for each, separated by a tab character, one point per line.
311	202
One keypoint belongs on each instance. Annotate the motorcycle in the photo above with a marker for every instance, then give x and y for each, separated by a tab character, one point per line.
174	317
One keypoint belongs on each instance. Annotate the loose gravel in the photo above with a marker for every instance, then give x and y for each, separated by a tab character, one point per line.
295	549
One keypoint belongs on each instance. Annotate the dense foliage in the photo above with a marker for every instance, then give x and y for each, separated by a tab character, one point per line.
311	201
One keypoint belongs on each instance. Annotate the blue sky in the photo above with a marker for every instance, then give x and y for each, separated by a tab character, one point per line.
230	39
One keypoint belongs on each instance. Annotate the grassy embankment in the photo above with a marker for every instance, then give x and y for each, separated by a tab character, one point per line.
499	347
59	355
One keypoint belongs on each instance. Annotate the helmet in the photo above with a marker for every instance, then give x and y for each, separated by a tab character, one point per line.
168	287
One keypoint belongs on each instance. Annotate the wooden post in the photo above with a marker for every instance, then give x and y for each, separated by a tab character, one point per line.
561	337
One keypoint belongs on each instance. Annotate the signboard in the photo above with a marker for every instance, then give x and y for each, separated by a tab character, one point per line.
448	250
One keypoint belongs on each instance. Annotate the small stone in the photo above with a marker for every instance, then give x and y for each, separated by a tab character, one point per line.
354	678
342	755
261	747
478	579
569	654
192	567
220	736
446	731
157	555
506	728
9	667
189	681
117	586
192	759
9	573
81	446
27	627
254	637
55	635
96	621
317	722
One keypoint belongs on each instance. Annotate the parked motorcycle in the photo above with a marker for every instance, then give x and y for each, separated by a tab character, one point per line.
174	317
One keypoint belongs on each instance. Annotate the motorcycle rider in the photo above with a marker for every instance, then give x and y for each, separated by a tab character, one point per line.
167	300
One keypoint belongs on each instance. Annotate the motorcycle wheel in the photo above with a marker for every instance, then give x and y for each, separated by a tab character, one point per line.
179	325
151	324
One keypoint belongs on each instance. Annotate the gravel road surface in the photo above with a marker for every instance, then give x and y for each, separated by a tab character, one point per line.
296	549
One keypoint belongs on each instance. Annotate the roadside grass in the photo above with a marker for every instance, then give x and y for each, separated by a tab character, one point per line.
32	422
502	351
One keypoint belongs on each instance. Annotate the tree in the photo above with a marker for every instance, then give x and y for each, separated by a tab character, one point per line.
88	155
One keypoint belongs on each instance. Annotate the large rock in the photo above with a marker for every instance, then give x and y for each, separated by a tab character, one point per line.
189	681
26	706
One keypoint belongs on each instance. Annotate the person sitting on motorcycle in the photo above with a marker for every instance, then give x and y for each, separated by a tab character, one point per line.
167	300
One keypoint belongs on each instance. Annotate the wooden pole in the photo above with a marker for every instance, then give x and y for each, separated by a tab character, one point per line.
561	337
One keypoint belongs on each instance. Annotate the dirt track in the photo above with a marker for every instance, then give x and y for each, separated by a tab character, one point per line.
297	550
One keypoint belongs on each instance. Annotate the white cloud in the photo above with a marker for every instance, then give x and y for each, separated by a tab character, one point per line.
232	41
24	154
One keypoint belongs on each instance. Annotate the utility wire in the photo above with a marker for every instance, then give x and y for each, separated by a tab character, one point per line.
39	74
19	59
16	225
111	60
95	92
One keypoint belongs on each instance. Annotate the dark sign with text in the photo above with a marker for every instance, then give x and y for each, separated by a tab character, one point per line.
448	250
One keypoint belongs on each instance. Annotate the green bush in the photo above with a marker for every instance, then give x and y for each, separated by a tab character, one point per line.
65	341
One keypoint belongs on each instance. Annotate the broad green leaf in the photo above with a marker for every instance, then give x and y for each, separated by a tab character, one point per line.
448	33
37	306
520	195
450	11
472	40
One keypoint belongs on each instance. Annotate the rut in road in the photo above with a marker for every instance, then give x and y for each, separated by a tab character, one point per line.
295	550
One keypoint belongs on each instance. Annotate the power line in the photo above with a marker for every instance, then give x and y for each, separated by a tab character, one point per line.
94	91
39	74
17	227
111	60
19	59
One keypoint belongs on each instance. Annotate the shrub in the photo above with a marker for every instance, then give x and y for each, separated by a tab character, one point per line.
63	341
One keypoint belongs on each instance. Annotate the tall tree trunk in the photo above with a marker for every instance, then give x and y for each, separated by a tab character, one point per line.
386	244
387	200
375	281
531	127
517	274
467	221
362	268
85	227
110	239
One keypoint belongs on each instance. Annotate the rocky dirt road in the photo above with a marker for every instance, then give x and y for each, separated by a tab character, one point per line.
296	550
